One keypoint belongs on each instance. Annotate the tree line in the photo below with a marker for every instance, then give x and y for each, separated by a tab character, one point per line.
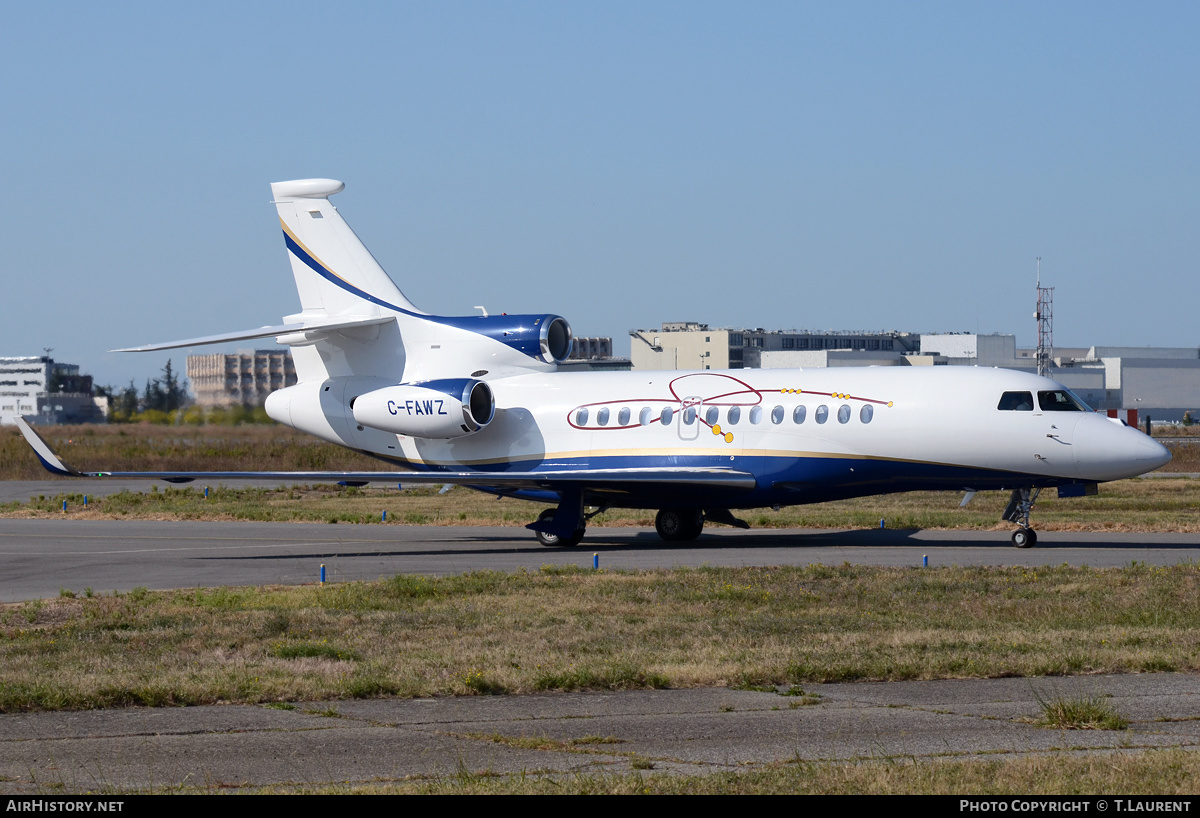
165	400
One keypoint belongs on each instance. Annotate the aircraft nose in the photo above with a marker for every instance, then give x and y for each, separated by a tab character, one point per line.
1109	451
1154	453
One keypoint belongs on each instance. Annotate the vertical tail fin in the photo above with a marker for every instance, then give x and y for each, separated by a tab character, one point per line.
335	274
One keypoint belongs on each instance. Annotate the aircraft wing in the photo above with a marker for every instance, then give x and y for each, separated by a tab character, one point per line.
547	480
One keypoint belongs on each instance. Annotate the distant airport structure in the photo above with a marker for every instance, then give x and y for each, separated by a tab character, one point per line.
593	355
246	377
1130	382
243	378
691	345
54	392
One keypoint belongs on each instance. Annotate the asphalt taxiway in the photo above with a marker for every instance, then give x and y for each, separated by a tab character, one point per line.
41	556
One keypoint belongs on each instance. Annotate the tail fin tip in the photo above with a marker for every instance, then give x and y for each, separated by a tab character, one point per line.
306	189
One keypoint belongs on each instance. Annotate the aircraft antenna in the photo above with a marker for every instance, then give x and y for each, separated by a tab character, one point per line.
1045	322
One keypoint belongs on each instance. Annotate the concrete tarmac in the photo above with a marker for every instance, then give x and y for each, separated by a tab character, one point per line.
674	731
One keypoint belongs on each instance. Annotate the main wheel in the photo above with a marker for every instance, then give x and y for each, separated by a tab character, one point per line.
679	525
1024	538
553	540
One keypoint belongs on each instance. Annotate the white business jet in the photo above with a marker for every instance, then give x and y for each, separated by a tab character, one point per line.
477	400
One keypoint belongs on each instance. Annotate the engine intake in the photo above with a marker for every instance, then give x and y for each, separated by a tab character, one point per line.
447	408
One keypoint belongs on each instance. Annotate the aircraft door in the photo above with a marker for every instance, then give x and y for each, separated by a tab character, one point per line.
1055	420
1060	438
689	417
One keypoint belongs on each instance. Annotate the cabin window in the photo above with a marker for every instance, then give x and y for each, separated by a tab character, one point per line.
866	413
712	415
756	415
822	413
581	417
667	414
1016	402
1060	400
623	416
798	414
689	415
735	414
602	416
777	415
644	416
844	413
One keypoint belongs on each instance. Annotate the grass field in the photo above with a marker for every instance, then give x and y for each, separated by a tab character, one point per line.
570	629
565	628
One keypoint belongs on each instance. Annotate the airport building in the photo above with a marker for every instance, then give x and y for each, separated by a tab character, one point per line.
53	392
691	345
593	355
1129	382
244	378
585	349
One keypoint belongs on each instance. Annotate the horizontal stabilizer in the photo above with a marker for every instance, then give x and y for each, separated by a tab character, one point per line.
310	328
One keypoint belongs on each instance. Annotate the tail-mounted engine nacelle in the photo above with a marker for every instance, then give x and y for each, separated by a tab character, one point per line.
546	338
447	408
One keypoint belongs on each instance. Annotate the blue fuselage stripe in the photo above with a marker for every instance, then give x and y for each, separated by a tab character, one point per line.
781	480
321	270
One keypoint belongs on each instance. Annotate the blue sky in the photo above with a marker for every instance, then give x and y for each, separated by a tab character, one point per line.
810	165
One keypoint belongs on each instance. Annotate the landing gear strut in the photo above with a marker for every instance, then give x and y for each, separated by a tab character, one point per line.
564	526
553	540
1017	512
679	525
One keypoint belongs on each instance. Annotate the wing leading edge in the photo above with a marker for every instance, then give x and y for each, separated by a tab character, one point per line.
630	479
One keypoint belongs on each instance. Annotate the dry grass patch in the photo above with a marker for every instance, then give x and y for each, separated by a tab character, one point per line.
1086	712
148	447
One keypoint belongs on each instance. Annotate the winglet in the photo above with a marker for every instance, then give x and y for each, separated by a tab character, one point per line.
43	451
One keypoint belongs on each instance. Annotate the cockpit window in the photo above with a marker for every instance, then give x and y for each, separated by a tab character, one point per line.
1061	400
1016	402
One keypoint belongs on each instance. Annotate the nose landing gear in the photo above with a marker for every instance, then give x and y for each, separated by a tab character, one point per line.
1017	512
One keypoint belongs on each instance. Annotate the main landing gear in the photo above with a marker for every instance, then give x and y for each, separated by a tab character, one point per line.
1019	506
685	524
565	526
551	540
679	525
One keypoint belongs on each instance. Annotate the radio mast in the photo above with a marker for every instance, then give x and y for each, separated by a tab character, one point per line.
1045	322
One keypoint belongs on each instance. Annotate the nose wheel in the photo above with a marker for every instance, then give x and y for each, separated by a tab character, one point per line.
1019	507
1024	538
